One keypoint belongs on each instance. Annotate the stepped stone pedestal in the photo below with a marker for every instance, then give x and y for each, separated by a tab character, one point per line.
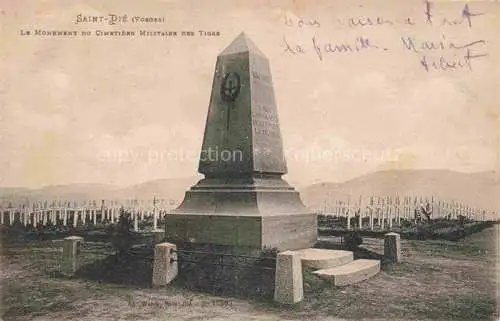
337	266
322	259
350	273
242	205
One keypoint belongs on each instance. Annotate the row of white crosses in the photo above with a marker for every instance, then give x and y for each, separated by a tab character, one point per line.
388	211
157	210
41	213
42	216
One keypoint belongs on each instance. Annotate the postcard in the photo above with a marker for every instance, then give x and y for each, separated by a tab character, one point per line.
263	160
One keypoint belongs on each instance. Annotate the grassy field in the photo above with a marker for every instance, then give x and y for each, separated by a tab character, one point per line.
439	280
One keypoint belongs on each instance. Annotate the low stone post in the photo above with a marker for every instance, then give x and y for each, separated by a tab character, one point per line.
288	288
392	247
70	255
165	266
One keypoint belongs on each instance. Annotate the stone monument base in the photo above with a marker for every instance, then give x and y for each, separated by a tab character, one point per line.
243	215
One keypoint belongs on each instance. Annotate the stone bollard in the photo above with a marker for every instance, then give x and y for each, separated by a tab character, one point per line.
70	255
288	287
165	264
392	247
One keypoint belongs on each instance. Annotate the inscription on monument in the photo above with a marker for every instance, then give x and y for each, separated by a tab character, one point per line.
265	121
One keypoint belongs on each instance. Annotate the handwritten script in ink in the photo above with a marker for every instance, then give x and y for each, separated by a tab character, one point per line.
432	53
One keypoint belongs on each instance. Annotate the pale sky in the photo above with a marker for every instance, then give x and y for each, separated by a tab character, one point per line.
124	110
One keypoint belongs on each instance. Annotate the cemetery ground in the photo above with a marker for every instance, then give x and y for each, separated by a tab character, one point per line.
439	280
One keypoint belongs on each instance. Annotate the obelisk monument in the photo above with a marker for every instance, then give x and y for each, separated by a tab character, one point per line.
242	204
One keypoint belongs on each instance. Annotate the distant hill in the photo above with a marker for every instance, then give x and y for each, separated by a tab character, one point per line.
162	188
12	191
73	192
475	189
168	188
